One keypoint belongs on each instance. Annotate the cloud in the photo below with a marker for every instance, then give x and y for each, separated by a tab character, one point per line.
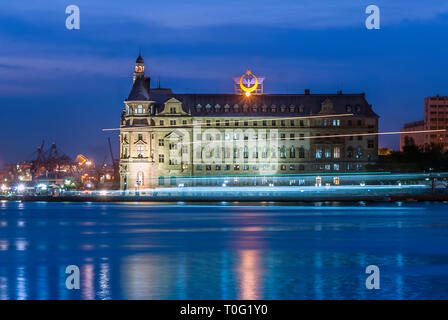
178	14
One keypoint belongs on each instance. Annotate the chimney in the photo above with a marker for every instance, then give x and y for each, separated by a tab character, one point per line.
307	91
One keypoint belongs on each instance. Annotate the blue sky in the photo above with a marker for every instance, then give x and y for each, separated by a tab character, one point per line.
66	85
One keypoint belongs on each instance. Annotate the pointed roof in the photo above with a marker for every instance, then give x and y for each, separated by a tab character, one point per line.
139	91
139	59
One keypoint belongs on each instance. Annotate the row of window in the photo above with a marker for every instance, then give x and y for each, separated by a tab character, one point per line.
245	137
237	167
300	109
321	152
140	109
326	123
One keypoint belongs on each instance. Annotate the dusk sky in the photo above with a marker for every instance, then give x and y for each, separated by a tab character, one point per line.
67	85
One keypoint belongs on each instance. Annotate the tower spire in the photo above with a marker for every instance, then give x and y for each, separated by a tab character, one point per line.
139	67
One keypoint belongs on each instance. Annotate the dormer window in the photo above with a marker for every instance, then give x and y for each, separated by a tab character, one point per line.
139	109
173	110
349	108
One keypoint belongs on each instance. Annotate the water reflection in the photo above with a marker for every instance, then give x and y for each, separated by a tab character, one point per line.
249	271
104	285
224	253
21	284
87	279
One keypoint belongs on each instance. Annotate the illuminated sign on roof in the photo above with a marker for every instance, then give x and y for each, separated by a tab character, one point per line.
248	84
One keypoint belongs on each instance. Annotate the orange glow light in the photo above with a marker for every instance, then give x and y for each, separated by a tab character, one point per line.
248	89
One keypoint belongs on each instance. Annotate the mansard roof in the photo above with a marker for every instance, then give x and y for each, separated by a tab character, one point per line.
266	104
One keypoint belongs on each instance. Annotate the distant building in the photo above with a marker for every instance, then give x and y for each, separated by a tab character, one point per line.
419	138
435	118
164	135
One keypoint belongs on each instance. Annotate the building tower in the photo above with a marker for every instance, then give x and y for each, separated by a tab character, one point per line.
139	68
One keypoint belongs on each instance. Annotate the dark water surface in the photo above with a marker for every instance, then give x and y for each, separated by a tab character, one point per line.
256	251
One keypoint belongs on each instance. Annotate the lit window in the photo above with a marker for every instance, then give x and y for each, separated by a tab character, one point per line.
140	178
337	152
140	149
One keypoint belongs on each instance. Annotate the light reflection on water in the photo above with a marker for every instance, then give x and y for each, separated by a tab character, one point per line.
128	251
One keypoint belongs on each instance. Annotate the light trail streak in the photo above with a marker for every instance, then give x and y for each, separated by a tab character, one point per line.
205	142
245	120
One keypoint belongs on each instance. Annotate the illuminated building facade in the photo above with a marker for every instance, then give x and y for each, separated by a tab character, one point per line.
164	135
435	118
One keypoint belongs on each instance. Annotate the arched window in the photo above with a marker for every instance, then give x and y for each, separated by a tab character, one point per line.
140	178
301	152
292	152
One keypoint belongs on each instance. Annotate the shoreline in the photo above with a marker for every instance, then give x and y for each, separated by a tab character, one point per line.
375	199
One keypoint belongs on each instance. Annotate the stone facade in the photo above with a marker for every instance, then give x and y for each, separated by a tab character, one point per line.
166	136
